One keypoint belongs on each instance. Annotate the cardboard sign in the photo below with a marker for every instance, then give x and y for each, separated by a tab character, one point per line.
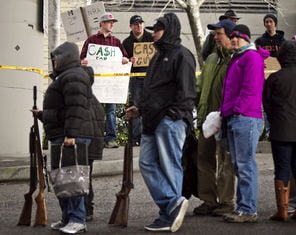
91	16
74	26
101	52
82	22
271	65
143	51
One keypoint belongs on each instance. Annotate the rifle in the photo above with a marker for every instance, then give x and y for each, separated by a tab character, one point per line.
25	217
119	214
41	213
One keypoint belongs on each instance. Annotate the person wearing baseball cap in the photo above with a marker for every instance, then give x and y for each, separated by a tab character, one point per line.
215	187
103	37
138	34
210	44
166	110
107	16
241	108
272	39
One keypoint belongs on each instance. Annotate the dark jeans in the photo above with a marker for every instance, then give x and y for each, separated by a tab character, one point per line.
136	89
88	199
73	208
284	158
110	124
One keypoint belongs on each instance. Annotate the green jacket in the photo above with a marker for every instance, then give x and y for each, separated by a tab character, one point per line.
210	83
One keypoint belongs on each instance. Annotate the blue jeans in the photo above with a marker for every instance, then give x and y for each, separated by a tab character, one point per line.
136	89
110	124
160	164
243	135
284	158
73	208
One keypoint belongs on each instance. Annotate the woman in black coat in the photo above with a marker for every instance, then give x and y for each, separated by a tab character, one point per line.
71	114
280	105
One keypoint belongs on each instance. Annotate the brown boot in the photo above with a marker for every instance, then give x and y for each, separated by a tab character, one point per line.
282	200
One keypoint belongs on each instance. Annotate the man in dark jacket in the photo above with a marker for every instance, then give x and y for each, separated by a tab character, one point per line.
71	114
137	35
272	39
166	110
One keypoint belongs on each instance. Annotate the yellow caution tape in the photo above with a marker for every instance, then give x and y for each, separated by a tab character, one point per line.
41	72
28	69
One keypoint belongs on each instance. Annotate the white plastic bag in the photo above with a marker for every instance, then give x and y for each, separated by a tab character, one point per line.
212	124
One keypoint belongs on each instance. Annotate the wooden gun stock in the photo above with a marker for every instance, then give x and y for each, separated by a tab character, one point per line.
41	212
25	217
119	214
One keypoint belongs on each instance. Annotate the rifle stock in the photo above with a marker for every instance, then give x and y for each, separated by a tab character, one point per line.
41	212
119	214
25	217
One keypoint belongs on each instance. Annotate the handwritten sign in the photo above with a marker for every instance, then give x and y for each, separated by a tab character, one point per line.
111	89
144	52
108	60
105	53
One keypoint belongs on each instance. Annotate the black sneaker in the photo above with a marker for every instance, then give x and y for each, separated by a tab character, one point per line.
158	225
204	209
178	215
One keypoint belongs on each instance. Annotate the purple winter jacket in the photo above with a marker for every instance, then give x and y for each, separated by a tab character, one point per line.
243	83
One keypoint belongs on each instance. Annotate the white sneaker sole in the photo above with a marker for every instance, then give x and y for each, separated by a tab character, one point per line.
179	219
157	229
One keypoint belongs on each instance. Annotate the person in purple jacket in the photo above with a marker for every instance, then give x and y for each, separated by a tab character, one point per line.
241	109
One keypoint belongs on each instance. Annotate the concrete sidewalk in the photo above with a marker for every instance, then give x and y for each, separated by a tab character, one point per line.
18	168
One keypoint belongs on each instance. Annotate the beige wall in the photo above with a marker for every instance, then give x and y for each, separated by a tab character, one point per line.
19	30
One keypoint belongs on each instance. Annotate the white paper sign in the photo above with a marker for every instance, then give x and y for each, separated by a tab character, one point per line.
104	53
111	89
108	60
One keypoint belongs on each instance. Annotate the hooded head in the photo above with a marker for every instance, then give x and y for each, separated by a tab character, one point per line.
287	53
172	31
65	56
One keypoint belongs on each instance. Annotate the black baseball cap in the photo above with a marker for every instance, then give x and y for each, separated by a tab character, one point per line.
159	24
136	18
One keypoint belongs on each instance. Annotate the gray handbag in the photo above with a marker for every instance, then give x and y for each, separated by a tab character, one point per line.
70	181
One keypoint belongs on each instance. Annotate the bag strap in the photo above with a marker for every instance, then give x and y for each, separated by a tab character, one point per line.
75	155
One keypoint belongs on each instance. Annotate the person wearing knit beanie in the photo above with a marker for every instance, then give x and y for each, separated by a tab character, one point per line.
241	31
272	39
272	16
241	108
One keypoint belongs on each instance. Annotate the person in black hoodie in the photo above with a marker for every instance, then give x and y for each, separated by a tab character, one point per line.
280	105
272	39
166	110
71	114
137	35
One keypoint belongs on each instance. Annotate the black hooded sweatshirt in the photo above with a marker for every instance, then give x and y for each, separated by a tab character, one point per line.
271	43
69	106
169	89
